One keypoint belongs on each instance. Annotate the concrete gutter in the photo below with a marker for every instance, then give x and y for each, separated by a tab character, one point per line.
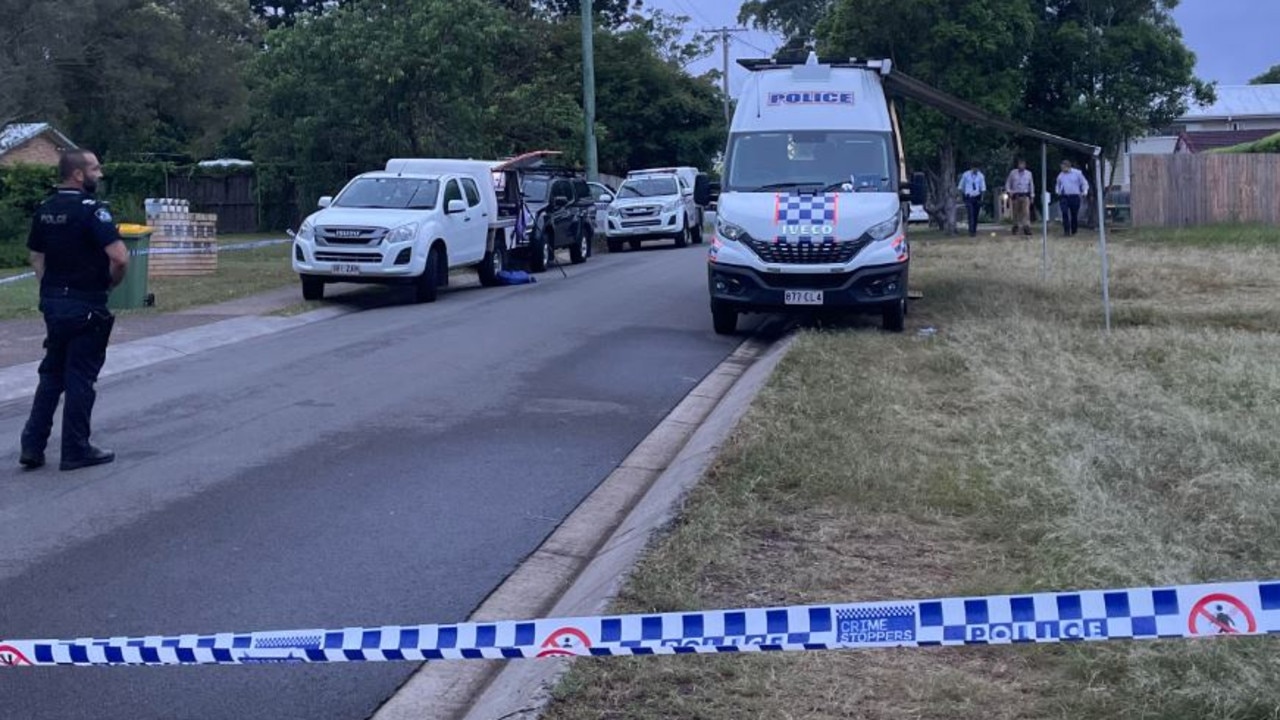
580	569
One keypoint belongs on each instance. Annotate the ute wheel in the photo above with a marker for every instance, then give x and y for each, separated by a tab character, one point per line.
312	288
894	316
538	250
697	234
634	244
495	261
581	250
724	319
426	288
682	237
615	246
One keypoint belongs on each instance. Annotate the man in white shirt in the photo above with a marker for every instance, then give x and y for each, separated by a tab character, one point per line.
1021	186
1072	187
972	185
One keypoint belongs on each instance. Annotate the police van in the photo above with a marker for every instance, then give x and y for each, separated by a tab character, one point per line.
810	213
410	224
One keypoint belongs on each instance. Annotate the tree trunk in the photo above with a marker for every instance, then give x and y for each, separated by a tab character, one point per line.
947	162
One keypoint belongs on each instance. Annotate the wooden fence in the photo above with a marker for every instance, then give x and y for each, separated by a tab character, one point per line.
232	198
1186	190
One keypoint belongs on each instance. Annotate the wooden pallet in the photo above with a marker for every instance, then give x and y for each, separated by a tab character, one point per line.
183	245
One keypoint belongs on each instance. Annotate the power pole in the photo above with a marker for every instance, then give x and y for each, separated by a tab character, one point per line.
724	42
589	91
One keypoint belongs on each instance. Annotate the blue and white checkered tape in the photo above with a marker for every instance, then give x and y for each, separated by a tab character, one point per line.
818	213
1187	611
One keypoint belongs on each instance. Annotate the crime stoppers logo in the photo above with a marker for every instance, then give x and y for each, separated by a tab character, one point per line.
1221	614
566	642
11	656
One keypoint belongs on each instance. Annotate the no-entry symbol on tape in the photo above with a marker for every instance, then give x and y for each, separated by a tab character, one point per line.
1221	614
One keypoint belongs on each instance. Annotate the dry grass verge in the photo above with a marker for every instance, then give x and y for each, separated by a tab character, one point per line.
1019	449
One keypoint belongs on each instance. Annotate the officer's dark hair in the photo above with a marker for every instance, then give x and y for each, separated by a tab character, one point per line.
71	161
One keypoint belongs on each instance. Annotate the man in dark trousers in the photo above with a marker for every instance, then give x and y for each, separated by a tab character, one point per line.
1072	187
78	257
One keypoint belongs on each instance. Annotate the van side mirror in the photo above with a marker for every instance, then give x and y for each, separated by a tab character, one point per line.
325	202
919	189
702	189
456	206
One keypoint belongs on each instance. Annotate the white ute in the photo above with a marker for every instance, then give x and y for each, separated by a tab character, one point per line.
814	196
656	205
410	224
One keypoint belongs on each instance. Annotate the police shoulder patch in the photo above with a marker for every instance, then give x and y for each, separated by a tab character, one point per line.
88	201
103	215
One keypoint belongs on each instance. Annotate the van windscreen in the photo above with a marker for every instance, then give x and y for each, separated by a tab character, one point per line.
814	160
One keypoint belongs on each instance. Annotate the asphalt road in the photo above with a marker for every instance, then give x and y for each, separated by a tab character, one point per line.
390	466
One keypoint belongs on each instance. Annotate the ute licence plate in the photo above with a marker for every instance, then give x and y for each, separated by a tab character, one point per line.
803	297
345	269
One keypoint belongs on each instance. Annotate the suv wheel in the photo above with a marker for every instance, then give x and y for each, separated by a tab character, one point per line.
581	250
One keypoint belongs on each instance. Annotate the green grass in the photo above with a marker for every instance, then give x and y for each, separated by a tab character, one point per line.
1018	449
240	273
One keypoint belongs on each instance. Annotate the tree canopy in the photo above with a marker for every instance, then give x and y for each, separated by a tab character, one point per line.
1271	76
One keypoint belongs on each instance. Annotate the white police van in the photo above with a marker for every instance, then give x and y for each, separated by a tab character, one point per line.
811	207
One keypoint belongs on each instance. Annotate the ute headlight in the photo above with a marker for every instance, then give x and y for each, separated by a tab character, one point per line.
729	231
886	229
614	211
672	206
404	233
307	233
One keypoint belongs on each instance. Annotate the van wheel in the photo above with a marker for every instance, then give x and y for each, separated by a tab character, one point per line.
312	288
538	250
724	319
581	250
894	316
682	237
495	261
427	287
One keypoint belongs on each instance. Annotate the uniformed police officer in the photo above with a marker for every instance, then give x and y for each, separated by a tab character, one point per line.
78	257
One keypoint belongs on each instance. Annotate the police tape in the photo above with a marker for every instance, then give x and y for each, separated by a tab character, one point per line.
1188	611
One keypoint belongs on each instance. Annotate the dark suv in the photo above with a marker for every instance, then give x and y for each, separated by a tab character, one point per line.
561	214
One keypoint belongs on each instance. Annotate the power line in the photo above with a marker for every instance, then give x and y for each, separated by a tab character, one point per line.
753	46
688	7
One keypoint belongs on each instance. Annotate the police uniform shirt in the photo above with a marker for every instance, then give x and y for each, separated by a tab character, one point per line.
1072	182
72	230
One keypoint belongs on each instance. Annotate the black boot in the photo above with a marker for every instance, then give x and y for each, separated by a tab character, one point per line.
95	456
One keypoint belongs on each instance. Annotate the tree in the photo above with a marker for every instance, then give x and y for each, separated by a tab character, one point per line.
968	48
795	19
611	13
1109	70
278	13
34	39
1269	77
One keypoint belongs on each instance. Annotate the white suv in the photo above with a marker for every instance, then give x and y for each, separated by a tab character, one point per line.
653	207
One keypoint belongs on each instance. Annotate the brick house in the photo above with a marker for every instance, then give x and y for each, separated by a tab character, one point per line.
31	144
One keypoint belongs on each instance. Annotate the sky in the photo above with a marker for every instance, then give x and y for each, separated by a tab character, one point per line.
1234	40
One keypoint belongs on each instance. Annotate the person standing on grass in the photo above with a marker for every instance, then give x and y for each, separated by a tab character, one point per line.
972	185
1021	186
1071	188
78	257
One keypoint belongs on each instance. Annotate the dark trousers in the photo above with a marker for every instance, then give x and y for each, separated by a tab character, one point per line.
77	333
1070	214
974	204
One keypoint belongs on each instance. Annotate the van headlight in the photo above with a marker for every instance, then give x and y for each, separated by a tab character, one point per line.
404	233
729	231
886	229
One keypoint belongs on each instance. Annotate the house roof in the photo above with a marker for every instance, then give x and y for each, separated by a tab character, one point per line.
1198	142
1239	101
15	134
1154	145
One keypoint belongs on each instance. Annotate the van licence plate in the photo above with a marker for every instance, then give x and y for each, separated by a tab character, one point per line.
803	297
345	269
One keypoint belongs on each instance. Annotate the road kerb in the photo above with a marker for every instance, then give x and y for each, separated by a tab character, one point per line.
583	563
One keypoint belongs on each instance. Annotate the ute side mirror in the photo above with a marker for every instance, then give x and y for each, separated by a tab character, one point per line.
325	202
456	206
605	198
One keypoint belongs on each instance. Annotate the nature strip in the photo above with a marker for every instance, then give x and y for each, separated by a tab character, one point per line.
1185	611
200	250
